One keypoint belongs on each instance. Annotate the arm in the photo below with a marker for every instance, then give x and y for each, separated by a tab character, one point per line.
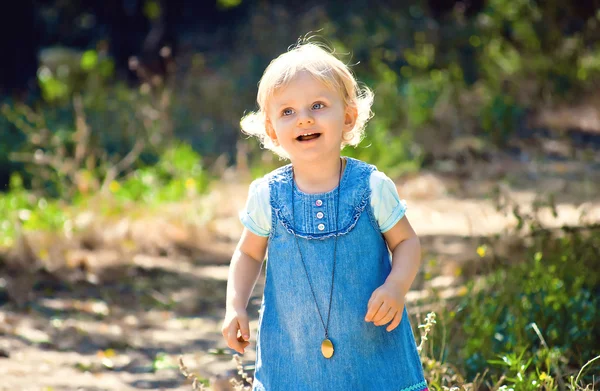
405	246
243	273
387	302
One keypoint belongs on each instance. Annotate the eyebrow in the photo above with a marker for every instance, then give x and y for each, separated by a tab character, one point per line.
286	104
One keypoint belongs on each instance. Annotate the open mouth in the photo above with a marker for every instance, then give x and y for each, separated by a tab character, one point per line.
308	136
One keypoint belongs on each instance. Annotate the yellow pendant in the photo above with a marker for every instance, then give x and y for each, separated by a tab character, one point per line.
327	348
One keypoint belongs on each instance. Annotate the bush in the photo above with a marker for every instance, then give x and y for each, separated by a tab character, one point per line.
534	319
177	175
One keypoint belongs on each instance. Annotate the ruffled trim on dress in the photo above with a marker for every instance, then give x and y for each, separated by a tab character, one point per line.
361	196
422	386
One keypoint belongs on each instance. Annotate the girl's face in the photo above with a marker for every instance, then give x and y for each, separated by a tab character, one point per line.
307	119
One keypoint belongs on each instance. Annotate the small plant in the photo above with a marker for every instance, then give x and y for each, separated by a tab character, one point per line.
427	326
574	382
237	384
197	384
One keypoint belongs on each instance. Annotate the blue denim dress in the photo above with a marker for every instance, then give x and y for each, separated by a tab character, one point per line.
290	332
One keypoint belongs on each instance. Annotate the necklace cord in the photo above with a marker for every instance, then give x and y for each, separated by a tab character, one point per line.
325	325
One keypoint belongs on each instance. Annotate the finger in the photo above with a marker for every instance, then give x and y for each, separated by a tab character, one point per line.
232	340
231	336
395	322
244	344
374	298
387	318
371	300
372	309
244	327
383	311
225	330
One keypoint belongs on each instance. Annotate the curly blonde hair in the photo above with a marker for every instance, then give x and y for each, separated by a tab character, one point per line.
320	62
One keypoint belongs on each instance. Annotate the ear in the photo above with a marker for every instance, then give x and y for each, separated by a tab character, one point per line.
350	118
271	131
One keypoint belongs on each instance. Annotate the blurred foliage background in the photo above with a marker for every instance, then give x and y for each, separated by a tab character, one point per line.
98	97
159	73
140	101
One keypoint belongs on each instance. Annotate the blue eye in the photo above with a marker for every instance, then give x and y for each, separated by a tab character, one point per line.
287	112
317	106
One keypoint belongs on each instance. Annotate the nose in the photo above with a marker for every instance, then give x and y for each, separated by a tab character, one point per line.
305	118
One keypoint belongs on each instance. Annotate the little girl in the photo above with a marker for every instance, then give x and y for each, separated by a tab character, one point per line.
341	253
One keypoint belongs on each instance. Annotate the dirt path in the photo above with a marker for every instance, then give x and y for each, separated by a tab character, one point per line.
126	333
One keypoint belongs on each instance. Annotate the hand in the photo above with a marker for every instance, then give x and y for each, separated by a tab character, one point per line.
236	330
386	304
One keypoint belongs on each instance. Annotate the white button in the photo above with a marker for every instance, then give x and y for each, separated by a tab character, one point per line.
320	215
319	203
321	227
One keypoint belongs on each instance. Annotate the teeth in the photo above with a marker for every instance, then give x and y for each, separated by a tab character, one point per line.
307	134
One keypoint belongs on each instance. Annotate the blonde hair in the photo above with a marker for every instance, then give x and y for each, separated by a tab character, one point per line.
325	67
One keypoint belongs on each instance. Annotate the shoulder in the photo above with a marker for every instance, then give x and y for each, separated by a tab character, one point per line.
256	216
360	165
386	204
260	186
383	189
379	181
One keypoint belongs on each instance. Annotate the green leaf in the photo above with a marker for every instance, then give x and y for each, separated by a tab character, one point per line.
225	4
163	361
89	60
152	9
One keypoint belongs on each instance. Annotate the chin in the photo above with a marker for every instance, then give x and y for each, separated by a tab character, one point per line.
312	156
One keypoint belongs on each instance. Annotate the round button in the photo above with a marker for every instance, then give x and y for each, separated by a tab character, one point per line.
320	215
321	227
319	203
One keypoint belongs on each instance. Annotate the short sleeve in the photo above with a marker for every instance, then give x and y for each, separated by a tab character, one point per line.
387	206
256	216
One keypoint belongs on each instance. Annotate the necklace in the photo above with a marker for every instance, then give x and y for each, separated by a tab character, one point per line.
326	345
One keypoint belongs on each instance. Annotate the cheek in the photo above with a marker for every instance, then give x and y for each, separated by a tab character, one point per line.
332	118
282	125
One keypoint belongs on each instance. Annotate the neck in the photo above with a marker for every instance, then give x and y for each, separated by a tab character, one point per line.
317	176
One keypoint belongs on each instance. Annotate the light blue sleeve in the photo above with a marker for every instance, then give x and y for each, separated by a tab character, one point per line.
256	216
387	206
